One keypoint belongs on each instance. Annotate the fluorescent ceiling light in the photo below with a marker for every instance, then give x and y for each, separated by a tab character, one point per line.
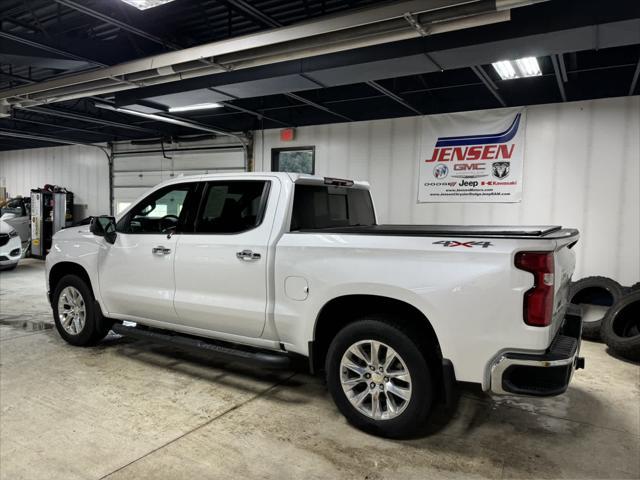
197	106
520	68
144	4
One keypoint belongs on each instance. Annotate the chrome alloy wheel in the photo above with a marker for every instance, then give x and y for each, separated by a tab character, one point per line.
375	379
72	311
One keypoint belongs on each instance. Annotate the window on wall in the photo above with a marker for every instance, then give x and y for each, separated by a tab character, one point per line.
294	160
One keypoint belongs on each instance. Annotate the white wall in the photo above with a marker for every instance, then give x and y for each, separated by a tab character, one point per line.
582	169
85	170
82	170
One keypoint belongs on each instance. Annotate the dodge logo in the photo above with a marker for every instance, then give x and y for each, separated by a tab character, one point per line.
500	169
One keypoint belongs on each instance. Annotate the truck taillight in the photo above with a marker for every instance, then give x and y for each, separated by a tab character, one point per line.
538	301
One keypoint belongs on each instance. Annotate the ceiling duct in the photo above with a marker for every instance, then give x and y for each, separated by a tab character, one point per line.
364	27
378	63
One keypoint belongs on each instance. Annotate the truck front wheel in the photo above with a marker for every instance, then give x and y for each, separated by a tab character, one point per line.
74	313
379	378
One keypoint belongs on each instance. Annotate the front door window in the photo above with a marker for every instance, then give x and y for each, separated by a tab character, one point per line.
160	212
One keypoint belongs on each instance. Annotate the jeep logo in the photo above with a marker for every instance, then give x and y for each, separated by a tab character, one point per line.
465	183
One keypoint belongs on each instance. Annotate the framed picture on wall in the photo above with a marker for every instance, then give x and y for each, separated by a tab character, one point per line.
294	160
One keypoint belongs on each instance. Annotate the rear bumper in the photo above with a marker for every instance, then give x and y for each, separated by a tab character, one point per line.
543	374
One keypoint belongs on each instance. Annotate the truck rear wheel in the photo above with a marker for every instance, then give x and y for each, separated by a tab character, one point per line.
379	378
74	313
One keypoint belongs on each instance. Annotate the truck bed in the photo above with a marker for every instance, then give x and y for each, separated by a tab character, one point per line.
468	231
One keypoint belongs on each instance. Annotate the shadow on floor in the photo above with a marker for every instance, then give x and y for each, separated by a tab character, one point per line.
204	366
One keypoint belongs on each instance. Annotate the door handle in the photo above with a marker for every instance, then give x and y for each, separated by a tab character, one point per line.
160	250
248	255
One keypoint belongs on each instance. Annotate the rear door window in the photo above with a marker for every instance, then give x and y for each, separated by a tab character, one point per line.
232	206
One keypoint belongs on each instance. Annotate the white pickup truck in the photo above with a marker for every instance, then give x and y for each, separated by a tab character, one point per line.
259	267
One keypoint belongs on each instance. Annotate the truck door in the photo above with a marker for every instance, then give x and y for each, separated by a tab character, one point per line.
221	267
136	272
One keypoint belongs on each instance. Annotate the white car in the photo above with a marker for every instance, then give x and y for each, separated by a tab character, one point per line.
10	246
17	213
258	267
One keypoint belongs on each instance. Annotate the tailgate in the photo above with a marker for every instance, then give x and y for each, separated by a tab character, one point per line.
565	262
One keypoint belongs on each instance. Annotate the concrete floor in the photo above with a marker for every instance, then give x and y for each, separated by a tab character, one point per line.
127	409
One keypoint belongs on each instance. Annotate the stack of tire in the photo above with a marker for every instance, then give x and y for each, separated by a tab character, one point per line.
610	312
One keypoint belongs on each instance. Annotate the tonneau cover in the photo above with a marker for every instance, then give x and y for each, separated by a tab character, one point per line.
501	231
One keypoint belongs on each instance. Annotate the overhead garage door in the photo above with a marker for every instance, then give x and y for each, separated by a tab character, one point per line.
137	168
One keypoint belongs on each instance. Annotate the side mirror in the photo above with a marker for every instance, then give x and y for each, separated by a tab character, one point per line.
104	226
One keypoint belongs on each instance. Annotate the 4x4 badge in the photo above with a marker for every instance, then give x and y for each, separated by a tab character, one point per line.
455	243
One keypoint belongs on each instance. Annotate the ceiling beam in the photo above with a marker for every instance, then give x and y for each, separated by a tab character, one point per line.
20	24
48	48
62	128
54	112
246	110
318	106
634	80
254	113
118	23
491	86
563	67
378	96
9	142
175	120
252	12
396	98
16	78
42	138
558	74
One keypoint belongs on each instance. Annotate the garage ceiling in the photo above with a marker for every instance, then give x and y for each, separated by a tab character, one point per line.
585	51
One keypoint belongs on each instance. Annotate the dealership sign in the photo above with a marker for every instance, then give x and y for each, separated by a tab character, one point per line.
472	157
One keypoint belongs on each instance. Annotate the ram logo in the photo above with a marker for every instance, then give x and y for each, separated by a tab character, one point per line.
500	169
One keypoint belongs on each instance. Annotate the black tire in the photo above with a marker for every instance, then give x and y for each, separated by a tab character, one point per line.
621	327
95	326
634	287
414	416
596	295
